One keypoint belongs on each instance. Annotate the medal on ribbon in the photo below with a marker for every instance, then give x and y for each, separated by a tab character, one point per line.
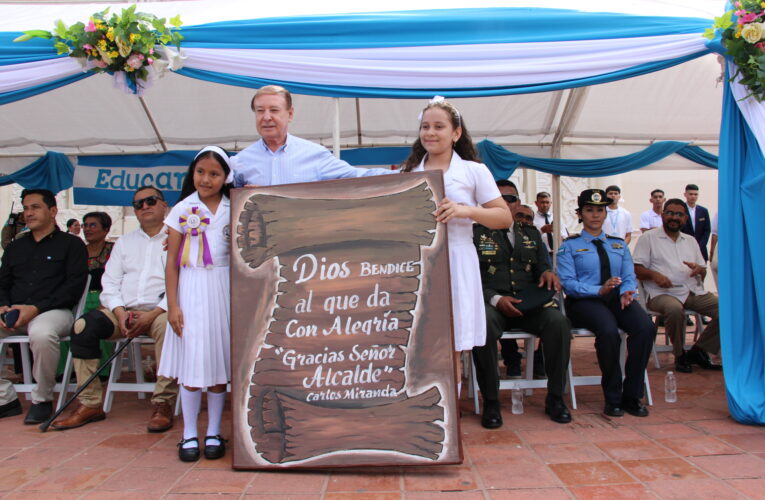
193	223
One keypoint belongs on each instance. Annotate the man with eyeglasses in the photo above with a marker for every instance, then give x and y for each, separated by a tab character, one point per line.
672	269
518	286
132	303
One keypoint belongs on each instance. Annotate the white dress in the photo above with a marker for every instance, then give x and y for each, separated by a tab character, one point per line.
472	184
201	357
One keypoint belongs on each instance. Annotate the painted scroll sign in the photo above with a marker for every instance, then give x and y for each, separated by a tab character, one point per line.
341	325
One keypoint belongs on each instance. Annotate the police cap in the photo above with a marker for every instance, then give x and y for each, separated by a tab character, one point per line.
595	197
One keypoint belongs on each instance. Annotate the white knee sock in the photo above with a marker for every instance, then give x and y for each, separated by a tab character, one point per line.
190	403
215	402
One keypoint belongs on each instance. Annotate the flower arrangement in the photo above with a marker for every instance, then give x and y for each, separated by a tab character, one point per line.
122	43
743	36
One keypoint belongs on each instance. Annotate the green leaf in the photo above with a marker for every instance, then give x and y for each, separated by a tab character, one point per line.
709	33
61	48
176	21
28	35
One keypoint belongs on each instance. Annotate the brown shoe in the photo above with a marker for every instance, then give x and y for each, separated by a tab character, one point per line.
162	418
78	417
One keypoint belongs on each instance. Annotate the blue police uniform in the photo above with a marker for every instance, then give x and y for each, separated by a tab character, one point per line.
579	269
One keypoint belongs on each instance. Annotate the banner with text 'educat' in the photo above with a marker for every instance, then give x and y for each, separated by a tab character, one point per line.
342	347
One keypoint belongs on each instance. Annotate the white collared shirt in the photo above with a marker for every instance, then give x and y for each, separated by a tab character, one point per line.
658	252
650	219
692	216
135	273
539	221
618	222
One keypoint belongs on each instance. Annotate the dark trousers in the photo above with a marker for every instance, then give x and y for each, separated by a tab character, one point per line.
604	318
548	324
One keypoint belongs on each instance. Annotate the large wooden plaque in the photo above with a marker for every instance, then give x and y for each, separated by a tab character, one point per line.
342	346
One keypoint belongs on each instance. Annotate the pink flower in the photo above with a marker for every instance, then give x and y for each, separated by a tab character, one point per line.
150	60
87	46
135	61
91	27
747	18
738	4
151	51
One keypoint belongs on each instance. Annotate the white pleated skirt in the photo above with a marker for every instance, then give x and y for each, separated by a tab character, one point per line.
201	357
469	314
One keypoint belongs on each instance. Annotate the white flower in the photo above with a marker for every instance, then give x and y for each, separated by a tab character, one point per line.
753	32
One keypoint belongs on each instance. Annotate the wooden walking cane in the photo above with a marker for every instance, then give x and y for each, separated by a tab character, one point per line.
44	426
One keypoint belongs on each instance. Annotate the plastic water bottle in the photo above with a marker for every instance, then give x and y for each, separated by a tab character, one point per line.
670	388
517	401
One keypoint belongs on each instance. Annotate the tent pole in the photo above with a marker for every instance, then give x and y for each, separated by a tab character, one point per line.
556	218
336	130
153	125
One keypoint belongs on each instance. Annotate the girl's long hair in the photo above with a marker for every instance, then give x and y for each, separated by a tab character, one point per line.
463	147
188	182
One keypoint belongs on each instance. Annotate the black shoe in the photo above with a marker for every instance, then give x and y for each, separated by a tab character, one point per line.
635	407
10	409
556	408
698	356
188	454
613	410
39	413
213	451
514	371
683	364
492	416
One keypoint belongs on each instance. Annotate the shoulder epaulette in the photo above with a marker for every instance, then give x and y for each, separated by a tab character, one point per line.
572	236
614	237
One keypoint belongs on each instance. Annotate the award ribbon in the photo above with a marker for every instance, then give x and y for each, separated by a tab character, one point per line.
194	223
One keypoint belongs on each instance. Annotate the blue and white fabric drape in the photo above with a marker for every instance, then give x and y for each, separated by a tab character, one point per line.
406	54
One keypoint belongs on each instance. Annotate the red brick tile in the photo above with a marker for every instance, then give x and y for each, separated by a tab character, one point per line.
597	434
97	456
213	496
731	466
698	445
69	479
292	496
700	489
560	435
41	457
721	427
517	474
530	494
123	495
364	482
569	452
663	468
594	473
661	431
287	482
131	441
504	437
618	492
694	414
153	479
41	495
442	495
449	477
495	454
754	442
212	481
752	488
363	496
634	450
13	477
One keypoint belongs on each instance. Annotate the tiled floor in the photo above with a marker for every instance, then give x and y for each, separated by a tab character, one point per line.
687	450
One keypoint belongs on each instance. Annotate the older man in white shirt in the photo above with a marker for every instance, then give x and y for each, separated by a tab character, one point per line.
672	269
133	303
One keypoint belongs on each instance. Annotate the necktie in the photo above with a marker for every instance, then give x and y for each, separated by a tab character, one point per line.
509	243
549	235
605	264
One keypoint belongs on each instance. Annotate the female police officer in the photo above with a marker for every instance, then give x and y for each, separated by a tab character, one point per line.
598	277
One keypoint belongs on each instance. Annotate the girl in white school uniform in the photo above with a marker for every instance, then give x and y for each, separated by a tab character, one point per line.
196	349
471	195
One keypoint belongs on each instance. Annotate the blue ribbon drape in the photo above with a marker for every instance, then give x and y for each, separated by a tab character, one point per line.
741	238
503	163
53	171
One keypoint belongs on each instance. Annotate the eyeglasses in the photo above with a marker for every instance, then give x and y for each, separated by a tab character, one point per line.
523	217
670	213
149	200
510	198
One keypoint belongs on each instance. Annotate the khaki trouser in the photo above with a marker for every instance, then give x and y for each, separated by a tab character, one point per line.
165	390
44	331
674	312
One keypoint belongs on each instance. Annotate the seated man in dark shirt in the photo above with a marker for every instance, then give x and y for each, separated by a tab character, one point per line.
42	276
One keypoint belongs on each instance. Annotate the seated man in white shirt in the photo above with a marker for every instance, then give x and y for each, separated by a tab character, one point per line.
672	269
618	220
652	218
132	303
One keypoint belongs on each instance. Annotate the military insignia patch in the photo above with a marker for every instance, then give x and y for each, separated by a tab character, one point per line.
617	245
